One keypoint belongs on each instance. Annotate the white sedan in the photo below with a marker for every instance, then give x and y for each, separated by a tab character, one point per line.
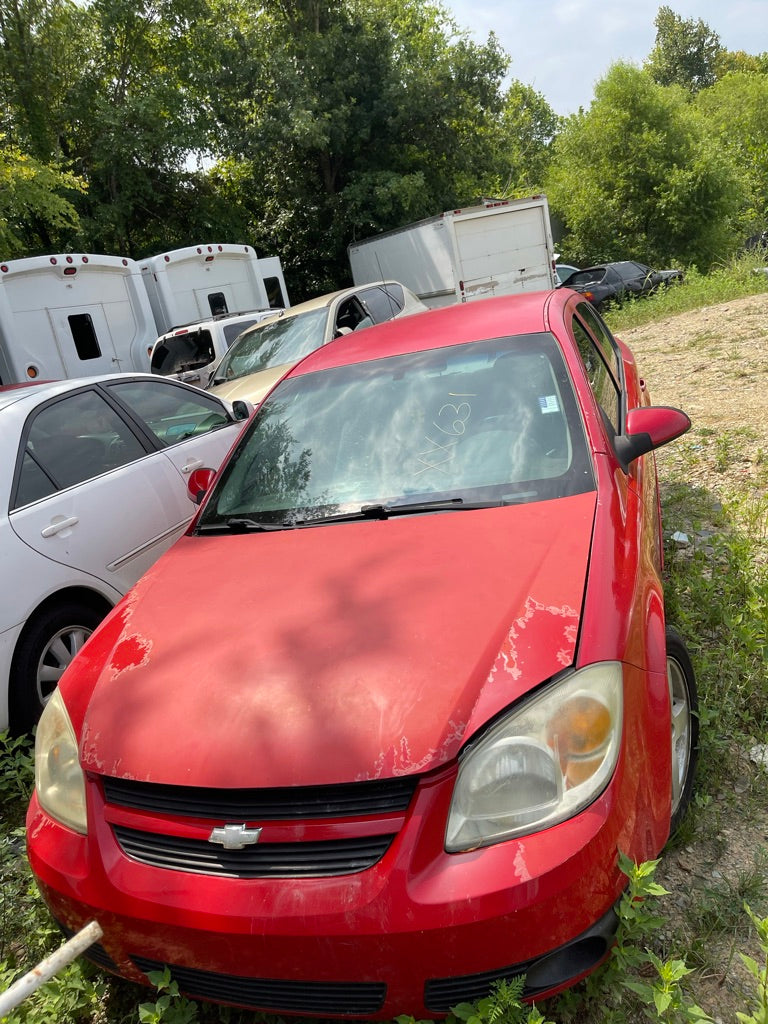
93	489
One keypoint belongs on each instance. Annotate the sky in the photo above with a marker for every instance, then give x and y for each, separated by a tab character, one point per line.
562	47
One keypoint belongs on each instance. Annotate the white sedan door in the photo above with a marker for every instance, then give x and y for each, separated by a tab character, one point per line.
95	492
194	428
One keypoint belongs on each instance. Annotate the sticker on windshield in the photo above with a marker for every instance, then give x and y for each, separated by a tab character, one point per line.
548	403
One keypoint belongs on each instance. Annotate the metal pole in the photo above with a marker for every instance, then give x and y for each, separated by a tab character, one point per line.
52	964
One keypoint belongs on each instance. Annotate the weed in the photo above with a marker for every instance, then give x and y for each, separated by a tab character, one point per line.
759	972
171	1007
504	1005
634	979
17	771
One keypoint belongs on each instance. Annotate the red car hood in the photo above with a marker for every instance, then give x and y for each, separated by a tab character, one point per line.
331	654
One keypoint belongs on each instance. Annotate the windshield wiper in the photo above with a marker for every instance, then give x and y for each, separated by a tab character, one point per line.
241	524
389	511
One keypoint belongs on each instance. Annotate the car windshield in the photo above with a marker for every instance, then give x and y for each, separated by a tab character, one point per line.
273	344
492	422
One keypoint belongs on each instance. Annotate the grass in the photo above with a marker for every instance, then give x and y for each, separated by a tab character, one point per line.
717	594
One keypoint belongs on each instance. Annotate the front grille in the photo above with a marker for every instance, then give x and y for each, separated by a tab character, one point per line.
381	796
440	994
264	860
357	998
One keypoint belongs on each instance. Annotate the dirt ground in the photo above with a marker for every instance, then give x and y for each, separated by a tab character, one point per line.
713	363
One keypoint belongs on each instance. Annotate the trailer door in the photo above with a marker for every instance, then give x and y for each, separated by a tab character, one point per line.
85	341
501	252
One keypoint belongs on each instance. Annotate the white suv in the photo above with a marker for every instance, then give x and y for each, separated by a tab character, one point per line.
188	352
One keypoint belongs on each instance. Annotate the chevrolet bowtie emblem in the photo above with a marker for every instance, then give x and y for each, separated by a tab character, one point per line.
234	837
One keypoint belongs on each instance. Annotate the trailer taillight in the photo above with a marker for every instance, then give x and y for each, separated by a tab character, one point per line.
70	271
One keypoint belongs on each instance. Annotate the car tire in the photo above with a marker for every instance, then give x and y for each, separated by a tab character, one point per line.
684	703
49	642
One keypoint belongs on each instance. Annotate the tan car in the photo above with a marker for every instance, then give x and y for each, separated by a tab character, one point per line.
264	352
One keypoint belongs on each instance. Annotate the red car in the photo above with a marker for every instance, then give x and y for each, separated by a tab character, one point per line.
372	734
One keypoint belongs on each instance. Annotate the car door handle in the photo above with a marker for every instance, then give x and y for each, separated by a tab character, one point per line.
192	464
58	525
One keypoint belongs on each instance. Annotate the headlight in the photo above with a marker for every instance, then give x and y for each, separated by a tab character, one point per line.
59	779
541	764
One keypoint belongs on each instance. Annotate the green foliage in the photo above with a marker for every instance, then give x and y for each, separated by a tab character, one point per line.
135	127
720	906
34	201
759	972
636	177
524	135
352	118
170	1007
738	278
718	592
634	978
70	996
734	113
43	42
503	1005
17	766
686	52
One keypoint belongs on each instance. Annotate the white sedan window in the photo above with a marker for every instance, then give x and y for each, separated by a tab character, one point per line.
72	440
172	413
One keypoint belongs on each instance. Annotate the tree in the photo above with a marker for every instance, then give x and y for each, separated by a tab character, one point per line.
734	114
341	119
43	46
33	202
686	52
637	177
738	60
525	131
133	126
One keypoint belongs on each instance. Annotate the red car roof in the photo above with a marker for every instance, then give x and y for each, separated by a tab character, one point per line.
526	313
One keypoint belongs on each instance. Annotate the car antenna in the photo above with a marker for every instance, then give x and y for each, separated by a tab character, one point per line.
392	305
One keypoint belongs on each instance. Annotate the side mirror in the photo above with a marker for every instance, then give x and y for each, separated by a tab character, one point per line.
199	482
241	409
647	429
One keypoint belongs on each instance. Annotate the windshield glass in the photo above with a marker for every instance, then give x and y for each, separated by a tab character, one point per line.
283	341
491	422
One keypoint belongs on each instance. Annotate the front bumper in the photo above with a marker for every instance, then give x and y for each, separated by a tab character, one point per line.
417	932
